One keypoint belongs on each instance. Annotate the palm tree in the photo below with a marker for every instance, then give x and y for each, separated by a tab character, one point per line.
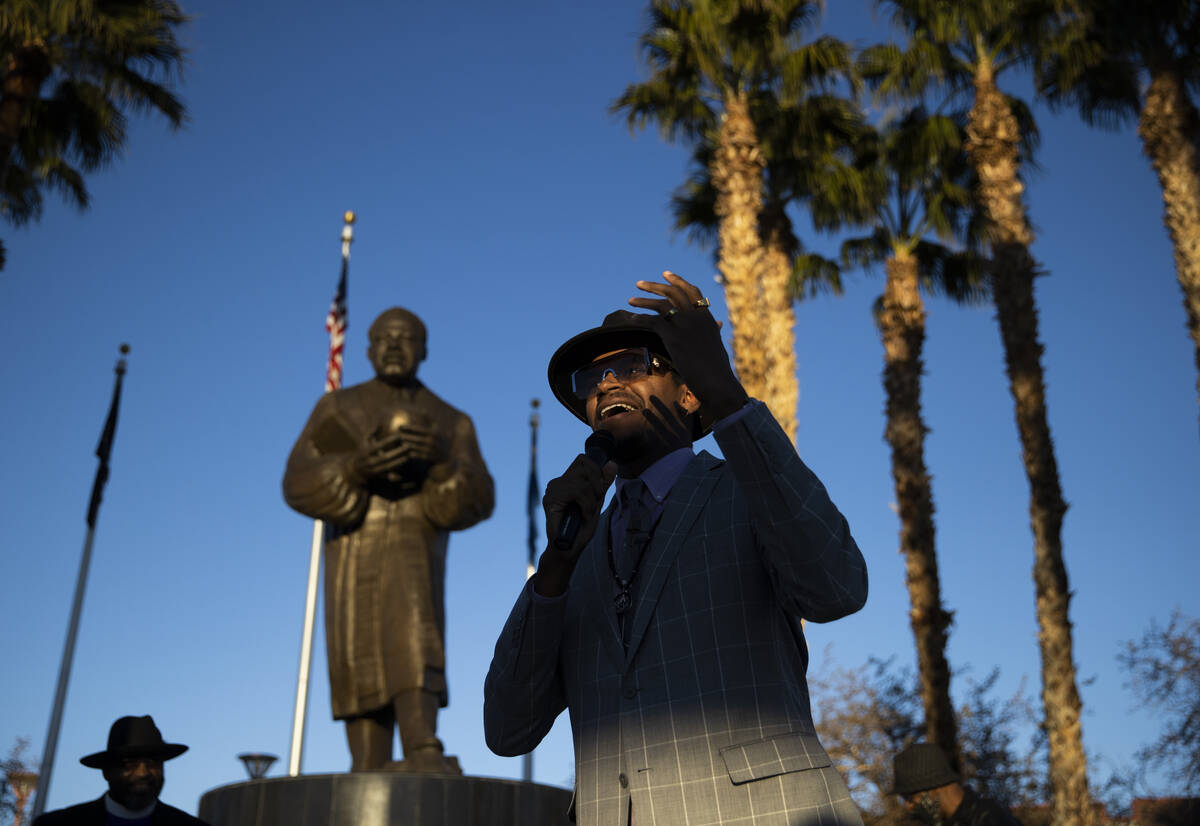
708	62
918	180
101	59
1120	63
805	146
961	48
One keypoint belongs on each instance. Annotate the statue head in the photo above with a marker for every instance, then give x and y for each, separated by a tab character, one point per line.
397	345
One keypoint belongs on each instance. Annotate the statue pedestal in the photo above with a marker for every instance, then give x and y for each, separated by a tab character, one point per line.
385	799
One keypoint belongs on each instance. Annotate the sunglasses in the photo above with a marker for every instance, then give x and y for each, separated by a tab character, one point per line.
625	366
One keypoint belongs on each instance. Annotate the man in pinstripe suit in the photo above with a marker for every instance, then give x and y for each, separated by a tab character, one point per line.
671	625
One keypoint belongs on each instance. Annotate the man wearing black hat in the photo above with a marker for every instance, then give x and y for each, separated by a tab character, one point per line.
932	791
133	766
670	624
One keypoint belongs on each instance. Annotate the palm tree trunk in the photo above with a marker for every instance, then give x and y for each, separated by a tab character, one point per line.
902	327
992	141
25	70
737	174
778	336
1170	126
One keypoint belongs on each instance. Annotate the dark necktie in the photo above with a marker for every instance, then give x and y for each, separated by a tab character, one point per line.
638	527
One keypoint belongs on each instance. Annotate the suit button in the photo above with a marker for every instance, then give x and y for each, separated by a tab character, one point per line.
630	692
624	780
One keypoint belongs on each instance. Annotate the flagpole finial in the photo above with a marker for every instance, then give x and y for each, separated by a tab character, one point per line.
120	368
349	216
347	231
533	414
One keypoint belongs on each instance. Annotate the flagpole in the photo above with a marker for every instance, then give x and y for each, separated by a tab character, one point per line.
531	506
333	380
64	669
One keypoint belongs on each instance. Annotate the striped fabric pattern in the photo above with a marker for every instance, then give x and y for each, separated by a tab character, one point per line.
335	325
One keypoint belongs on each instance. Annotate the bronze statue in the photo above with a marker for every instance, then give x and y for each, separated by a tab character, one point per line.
391	469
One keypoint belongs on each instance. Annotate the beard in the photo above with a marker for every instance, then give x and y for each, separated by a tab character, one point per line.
136	796
927	811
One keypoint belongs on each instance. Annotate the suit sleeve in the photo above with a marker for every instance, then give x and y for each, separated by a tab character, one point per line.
91	812
460	492
523	693
815	565
322	484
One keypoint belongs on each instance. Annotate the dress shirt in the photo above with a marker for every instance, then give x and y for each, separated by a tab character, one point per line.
659	478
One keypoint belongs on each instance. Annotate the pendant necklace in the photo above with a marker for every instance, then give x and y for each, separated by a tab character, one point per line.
624	596
623	599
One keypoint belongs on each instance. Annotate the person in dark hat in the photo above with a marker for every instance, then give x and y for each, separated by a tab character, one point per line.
934	794
133	766
670	624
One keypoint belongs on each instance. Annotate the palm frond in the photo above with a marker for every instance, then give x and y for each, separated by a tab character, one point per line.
678	112
103	60
958	275
1085	61
814	275
866	251
694	203
1031	136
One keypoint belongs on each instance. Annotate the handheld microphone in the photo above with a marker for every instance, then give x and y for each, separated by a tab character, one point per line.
599	448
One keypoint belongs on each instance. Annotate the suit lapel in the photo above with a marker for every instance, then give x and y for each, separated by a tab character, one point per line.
683	506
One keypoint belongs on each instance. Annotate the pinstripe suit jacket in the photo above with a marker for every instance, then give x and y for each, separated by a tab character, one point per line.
704	717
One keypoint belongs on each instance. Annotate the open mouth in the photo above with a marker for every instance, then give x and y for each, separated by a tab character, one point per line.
615	409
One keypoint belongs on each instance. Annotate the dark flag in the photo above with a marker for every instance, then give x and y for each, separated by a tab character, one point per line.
535	491
104	449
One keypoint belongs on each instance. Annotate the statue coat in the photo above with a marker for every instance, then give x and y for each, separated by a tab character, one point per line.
385	542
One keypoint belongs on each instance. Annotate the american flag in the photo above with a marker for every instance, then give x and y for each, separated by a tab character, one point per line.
335	323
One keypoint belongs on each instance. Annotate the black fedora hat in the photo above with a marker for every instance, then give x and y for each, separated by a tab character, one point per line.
920	767
620	330
133	737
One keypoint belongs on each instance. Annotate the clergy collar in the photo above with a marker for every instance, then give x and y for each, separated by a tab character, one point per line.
117	810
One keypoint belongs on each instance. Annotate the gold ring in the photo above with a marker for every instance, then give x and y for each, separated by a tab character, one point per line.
670	312
701	304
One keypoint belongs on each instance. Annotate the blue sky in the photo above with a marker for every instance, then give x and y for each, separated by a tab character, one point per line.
499	201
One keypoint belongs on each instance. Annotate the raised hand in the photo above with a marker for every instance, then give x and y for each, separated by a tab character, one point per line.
693	337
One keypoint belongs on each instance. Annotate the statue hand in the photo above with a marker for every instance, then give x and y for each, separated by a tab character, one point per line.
423	444
406	445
